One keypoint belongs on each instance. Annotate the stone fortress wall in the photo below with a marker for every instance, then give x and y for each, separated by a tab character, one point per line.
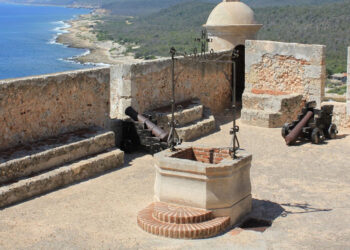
277	68
348	86
147	85
40	107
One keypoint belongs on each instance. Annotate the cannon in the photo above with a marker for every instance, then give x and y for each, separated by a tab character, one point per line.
312	124
156	131
141	132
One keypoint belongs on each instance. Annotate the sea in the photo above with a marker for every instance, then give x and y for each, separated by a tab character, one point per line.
27	40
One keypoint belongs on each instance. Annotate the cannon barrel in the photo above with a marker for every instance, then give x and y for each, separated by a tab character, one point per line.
293	135
156	131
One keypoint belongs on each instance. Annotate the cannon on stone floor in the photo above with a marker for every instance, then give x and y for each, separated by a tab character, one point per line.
312	124
142	132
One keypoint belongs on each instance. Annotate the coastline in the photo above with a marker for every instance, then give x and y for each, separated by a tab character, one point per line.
74	6
79	34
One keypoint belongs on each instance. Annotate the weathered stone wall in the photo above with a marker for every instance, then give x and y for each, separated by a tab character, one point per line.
147	85
285	68
340	118
39	107
348	86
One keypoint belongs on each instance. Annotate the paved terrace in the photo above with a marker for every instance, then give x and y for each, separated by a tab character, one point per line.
304	189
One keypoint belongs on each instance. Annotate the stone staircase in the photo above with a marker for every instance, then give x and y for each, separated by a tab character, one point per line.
270	111
179	222
44	166
194	120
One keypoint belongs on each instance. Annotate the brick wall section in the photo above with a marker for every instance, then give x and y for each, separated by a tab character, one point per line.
39	107
276	67
205	155
147	85
187	154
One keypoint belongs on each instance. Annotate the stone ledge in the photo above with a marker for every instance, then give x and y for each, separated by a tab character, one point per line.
197	129
262	118
273	103
40	158
60	177
192	112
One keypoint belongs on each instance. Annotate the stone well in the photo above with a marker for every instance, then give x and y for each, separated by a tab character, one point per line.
206	178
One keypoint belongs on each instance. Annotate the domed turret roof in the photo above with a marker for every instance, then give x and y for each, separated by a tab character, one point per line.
231	12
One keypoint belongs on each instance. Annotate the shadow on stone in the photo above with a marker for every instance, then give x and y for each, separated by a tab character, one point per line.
260	218
266	210
303	141
302	208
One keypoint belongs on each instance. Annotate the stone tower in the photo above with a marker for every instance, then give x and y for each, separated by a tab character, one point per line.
231	23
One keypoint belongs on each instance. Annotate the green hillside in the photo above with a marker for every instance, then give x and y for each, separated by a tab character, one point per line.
322	24
143	7
326	24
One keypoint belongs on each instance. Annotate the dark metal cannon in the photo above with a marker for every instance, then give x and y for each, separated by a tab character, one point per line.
156	131
314	124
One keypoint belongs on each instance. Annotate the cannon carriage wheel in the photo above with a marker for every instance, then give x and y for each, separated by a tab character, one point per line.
285	130
332	131
317	136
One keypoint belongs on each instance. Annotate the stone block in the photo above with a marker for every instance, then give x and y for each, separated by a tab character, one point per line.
288	67
262	118
270	111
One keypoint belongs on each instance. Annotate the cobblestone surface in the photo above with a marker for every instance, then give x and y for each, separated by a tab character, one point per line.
303	189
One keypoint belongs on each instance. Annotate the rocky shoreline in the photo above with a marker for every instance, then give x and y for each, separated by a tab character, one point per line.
80	35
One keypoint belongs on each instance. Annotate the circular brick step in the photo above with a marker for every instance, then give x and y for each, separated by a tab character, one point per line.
148	223
180	215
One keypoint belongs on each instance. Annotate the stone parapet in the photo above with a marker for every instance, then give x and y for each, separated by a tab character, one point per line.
39	107
147	85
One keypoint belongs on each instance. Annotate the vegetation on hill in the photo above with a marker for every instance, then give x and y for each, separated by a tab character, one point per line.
326	24
160	24
177	26
143	7
158	32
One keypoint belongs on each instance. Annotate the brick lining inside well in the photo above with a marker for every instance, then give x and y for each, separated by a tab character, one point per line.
205	155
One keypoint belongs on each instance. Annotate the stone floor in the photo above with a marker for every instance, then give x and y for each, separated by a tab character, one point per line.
304	189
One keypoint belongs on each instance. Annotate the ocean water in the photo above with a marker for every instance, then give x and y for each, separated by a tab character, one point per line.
27	40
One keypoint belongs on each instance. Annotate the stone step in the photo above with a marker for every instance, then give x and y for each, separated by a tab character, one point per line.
201	127
186	112
206	229
262	118
272	103
40	156
60	177
180	215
